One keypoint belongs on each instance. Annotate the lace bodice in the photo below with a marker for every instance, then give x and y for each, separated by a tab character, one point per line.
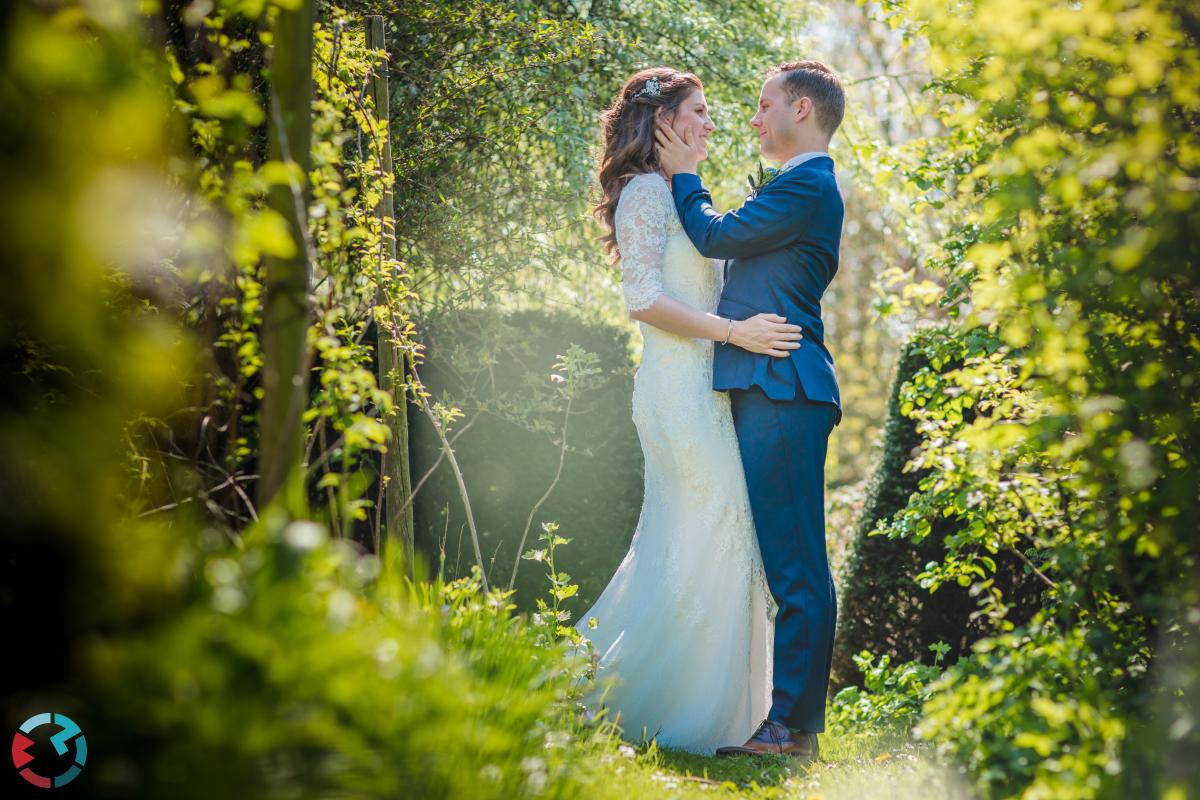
656	255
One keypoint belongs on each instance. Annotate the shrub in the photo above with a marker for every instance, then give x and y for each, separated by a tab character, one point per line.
883	607
1066	436
1032	709
889	698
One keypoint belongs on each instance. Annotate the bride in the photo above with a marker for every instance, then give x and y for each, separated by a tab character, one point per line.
683	627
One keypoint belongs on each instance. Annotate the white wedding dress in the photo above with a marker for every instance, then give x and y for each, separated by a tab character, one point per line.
684	627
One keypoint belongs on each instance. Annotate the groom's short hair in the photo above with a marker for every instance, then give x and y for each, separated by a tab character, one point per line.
819	83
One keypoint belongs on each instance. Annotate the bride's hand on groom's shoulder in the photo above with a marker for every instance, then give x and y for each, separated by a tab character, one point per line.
768	334
676	155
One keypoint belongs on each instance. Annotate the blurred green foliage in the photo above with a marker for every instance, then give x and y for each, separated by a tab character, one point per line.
294	665
85	196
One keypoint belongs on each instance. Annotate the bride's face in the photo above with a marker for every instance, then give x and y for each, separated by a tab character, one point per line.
692	115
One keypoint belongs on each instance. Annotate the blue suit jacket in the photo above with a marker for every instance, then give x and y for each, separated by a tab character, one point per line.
782	247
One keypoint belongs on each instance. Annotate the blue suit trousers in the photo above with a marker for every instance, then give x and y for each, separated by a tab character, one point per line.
783	444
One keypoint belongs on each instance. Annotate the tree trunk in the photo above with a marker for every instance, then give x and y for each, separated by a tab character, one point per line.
397	481
286	312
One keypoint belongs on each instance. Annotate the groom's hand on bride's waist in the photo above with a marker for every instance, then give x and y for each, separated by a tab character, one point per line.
768	334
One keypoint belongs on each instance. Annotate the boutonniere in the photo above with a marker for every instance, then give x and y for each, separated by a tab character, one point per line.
765	176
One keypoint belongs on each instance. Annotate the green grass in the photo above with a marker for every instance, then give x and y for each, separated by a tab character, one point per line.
857	767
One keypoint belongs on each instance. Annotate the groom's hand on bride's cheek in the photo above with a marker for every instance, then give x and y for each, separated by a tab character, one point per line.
674	154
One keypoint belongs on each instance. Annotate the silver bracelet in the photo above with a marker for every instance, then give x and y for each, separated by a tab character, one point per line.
728	331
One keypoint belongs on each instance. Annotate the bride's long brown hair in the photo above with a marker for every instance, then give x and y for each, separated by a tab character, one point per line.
627	137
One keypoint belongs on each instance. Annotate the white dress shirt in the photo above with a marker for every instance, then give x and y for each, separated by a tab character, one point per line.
800	159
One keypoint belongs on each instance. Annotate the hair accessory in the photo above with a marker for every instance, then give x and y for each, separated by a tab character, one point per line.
651	88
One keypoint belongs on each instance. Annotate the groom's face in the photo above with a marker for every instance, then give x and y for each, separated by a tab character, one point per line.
776	120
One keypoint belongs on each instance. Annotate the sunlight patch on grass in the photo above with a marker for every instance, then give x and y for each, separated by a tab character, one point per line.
852	768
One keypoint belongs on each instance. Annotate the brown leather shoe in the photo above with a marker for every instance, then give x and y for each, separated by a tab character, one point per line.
775	738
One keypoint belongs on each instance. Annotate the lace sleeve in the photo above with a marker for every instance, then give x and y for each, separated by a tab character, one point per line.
642	225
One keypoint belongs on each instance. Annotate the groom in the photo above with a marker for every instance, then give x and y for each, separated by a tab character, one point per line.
782	251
